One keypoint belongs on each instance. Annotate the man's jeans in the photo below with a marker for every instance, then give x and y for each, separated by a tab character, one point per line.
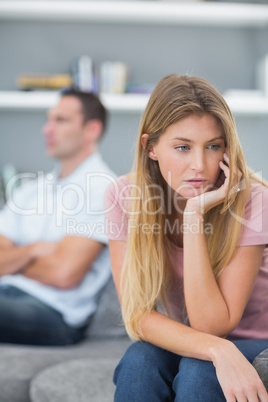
26	320
148	373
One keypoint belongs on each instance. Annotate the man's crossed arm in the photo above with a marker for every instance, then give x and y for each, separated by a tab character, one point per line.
61	264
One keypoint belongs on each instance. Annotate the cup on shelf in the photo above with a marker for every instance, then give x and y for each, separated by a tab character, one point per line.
113	77
82	70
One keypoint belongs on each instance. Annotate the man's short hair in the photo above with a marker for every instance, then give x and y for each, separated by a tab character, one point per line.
92	108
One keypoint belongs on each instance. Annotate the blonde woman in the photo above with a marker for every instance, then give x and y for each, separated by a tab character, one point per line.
188	236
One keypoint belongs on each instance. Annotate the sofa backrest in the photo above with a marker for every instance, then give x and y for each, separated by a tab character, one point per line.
107	322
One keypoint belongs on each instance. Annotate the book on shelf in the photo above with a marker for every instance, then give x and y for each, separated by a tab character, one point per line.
44	81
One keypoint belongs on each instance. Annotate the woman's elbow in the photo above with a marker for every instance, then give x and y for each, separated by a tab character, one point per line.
219	327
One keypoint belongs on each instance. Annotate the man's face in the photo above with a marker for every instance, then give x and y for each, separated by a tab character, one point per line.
64	130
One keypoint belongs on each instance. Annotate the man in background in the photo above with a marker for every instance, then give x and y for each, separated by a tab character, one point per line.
54	259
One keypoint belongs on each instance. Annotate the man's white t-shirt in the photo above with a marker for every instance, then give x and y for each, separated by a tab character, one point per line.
48	209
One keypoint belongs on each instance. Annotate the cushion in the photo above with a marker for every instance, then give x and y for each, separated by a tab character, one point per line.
19	363
261	365
80	380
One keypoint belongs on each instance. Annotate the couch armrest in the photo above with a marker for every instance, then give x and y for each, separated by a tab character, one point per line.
261	365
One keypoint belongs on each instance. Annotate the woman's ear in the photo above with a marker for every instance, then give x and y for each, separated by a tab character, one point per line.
144	139
151	150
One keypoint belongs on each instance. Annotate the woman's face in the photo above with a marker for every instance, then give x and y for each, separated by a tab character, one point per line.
189	152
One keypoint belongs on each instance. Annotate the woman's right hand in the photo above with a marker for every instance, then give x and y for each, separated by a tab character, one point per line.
239	380
202	203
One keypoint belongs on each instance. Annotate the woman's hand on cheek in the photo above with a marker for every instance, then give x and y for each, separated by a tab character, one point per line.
201	204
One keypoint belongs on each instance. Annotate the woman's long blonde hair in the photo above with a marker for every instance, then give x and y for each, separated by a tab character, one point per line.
145	273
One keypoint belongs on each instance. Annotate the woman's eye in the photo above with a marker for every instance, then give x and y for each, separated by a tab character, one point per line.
214	147
182	148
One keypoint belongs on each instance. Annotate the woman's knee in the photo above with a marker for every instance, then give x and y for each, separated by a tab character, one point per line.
197	381
145	357
145	372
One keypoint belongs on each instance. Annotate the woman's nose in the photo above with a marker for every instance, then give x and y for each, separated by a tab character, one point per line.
197	161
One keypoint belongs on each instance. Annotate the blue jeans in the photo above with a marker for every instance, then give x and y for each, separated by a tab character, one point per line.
26	320
148	373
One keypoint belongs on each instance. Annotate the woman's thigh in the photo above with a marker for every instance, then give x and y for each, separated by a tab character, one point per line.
251	347
149	373
196	380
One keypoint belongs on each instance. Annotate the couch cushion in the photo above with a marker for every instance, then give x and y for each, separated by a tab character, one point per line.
261	365
79	380
106	338
19	364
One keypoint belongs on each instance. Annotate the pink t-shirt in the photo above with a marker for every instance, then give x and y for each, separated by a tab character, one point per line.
254	322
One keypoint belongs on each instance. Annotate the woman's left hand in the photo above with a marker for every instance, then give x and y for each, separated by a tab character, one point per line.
201	204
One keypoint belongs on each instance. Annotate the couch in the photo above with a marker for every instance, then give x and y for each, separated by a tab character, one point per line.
78	373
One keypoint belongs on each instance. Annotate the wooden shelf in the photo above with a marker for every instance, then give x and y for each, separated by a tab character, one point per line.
122	103
139	12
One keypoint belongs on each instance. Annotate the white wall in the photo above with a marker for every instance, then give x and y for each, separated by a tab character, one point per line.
225	56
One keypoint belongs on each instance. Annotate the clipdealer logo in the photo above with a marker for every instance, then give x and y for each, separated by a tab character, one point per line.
61	200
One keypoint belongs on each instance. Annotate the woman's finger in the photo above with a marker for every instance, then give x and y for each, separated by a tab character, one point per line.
237	173
262	394
226	172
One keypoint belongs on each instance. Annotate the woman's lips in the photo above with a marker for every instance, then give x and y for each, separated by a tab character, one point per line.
196	182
